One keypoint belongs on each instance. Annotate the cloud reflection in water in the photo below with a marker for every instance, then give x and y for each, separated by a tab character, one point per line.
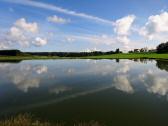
122	76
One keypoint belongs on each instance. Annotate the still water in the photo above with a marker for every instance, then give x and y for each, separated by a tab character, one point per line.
120	92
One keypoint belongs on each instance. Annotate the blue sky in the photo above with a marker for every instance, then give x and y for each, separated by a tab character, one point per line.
85	25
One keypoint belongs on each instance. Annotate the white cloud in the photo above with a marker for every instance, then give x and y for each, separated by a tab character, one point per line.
123	39
29	27
91	49
40	41
123	29
24	34
97	39
57	20
18	35
59	9
70	39
21	32
155	26
3	46
109	40
123	25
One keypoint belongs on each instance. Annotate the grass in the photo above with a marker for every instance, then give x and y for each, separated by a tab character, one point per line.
28	120
131	56
23	120
112	56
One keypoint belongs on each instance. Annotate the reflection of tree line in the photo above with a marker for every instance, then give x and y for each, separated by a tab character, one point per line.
162	64
137	60
10	61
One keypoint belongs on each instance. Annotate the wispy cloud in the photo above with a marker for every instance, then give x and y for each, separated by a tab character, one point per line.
61	10
57	20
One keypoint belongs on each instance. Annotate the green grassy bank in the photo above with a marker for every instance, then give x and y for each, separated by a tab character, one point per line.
112	56
131	56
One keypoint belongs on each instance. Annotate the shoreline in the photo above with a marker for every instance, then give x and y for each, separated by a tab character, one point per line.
112	56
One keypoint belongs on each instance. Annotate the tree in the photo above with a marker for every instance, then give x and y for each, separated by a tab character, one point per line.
144	49
136	50
130	51
162	48
117	50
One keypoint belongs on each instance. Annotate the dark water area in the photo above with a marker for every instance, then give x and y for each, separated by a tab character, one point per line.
112	92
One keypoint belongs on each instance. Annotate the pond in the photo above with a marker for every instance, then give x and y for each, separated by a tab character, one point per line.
119	92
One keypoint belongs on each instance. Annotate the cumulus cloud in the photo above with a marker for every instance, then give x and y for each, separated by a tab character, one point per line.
123	39
40	41
23	24
24	34
123	29
156	25
123	25
18	35
57	20
3	46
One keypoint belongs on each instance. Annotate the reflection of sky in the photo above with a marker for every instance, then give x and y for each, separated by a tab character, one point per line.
82	77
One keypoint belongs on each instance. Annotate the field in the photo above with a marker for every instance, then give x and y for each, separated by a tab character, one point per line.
112	56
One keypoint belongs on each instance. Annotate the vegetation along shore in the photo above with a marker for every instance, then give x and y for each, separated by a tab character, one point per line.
161	52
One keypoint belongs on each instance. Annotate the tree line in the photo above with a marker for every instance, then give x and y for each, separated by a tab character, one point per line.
161	48
60	54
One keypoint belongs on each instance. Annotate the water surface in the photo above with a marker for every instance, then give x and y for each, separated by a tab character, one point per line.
120	92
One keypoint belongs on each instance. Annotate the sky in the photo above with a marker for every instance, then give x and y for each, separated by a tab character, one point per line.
82	25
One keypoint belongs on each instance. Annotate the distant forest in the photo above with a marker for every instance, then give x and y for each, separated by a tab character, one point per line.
60	54
161	48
